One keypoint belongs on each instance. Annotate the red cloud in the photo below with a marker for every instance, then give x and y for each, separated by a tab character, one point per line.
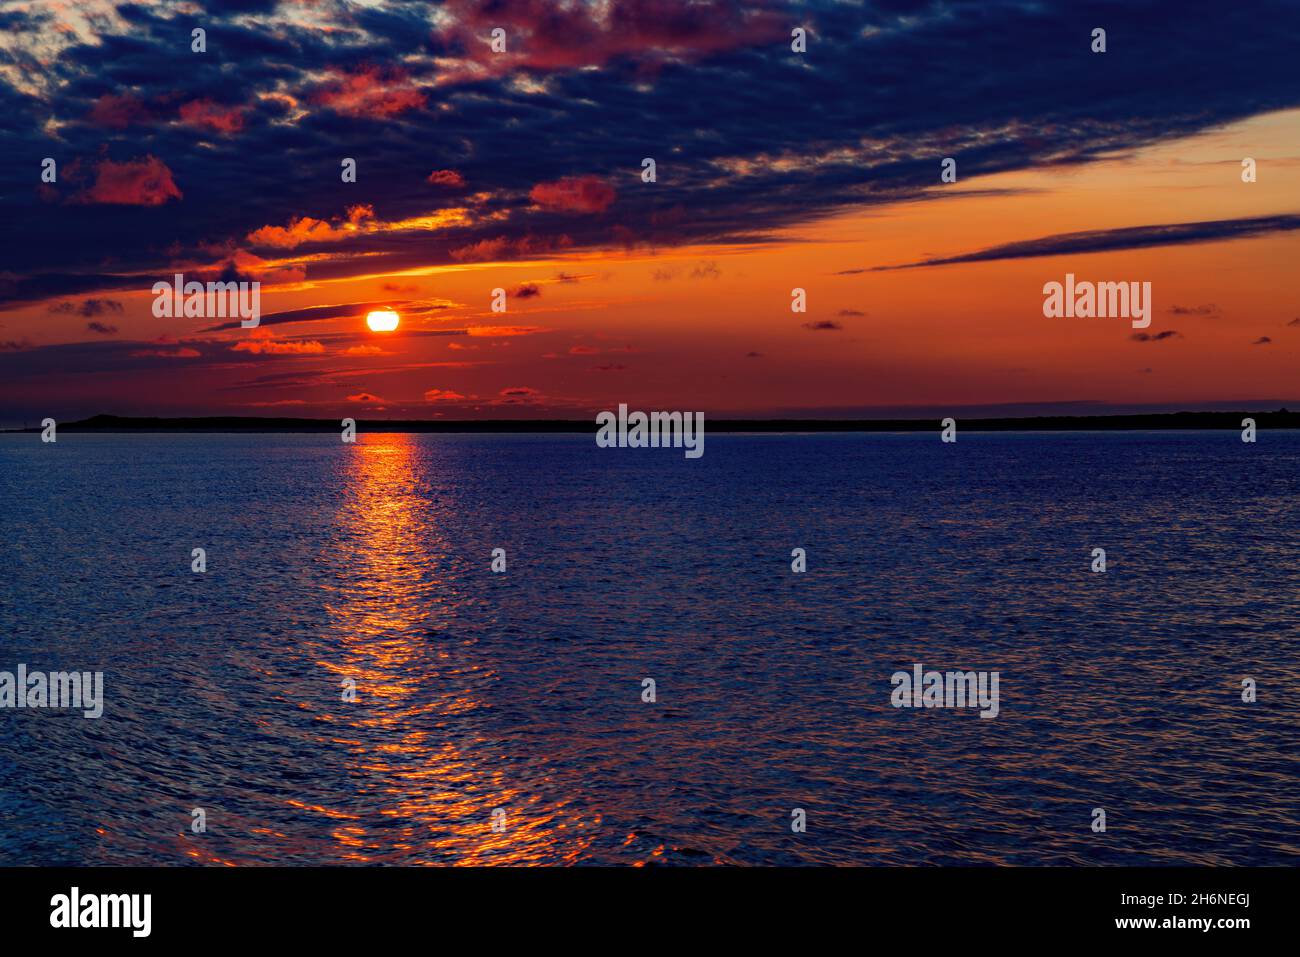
283	277
308	230
118	112
486	250
299	231
212	116
577	194
500	331
370	92
446	177
183	353
273	347
140	182
546	35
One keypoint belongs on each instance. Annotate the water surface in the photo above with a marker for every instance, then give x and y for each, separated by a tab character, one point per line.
522	691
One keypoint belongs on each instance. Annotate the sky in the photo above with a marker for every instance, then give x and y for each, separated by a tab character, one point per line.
522	170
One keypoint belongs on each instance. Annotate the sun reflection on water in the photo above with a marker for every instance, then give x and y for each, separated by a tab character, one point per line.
419	747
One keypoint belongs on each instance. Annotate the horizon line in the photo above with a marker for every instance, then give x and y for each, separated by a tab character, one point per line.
1177	421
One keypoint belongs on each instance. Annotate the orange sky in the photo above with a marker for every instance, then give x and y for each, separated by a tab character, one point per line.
676	327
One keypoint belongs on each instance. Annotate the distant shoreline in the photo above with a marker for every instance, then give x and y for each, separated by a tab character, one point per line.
1166	421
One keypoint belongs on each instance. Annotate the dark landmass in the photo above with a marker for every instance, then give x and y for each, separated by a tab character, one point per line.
1281	419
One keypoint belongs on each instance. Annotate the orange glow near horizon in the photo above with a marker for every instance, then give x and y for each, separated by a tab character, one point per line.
710	327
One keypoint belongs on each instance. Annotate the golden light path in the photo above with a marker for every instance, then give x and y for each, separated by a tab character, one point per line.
422	742
382	321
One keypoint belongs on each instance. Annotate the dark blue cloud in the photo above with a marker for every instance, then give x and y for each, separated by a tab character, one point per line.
1108	240
748	137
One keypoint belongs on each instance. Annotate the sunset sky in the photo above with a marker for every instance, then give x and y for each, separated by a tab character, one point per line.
522	170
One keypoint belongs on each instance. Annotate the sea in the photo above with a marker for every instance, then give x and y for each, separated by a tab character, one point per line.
529	650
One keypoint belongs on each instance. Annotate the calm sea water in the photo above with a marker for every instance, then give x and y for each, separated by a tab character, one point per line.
522	691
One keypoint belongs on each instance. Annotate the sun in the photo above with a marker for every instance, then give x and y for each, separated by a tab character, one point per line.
382	321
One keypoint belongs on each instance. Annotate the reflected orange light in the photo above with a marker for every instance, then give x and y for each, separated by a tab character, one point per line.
419	740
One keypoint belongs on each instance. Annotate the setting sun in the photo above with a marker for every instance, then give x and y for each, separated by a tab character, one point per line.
382	321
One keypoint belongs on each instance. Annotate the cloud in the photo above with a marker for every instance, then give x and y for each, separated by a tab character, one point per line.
528	290
576	194
118	111
701	270
497	331
1155	336
1262	341
101	328
442	395
579	86
304	229
547	36
370	91
278	347
1208	309
446	177
504	247
365	397
181	353
851	312
1128	237
88	307
823	325
209	115
138	182
348	310
520	395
